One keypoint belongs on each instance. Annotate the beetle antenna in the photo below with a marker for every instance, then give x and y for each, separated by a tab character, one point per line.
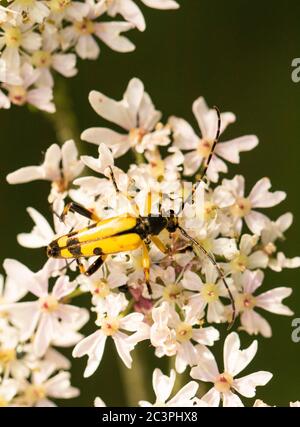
207	162
53	211
113	179
219	270
216	140
66	266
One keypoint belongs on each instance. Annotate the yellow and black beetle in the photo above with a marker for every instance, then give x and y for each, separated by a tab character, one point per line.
126	233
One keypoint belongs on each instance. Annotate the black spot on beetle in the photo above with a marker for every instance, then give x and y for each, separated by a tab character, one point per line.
73	246
75	250
73	241
53	250
97	251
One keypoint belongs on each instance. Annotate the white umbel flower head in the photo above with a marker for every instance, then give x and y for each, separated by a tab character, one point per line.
225	383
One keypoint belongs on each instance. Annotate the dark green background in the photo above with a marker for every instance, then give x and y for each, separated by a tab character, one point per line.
238	55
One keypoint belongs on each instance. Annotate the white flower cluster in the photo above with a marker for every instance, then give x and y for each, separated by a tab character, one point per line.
181	316
41	37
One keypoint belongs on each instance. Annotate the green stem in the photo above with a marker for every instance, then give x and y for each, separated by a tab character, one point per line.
180	378
64	119
129	307
77	293
134	381
139	157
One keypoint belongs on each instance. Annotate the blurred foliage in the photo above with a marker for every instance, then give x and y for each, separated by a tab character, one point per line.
238	55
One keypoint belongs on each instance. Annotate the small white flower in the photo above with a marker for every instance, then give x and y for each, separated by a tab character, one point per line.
80	33
45	386
271	300
110	324
45	59
186	139
225	383
101	284
163	386
172	335
34	10
14	40
207	294
231	194
25	93
42	319
60	166
273	231
135	113
246	256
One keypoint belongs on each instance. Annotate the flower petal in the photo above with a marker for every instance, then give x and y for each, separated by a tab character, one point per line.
246	386
235	360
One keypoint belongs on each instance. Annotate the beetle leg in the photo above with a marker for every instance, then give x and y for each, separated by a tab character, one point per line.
75	207
159	244
146	266
92	268
80	265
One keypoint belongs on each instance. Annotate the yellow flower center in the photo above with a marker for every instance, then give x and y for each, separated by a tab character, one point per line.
33	394
204	147
270	248
17	95
101	288
41	59
210	211
13	37
61	185
246	301
49	304
7	355
184	332
58	5
241	208
224	383
172	292
136	135
110	325
84	27
209	292
157	168
239	263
